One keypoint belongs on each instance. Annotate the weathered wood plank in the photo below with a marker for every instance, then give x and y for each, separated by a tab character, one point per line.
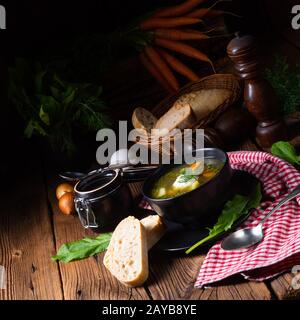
282	286
171	277
174	278
88	278
26	237
236	291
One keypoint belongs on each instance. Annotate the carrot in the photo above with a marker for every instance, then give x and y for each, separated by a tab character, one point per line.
183	49
217	13
178	10
178	66
199	13
154	72
195	165
162	66
154	23
175	34
208	12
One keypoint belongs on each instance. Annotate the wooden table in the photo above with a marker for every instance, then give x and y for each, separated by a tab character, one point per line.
32	229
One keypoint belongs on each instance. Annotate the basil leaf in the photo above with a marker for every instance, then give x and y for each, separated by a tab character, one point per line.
83	248
285	151
232	211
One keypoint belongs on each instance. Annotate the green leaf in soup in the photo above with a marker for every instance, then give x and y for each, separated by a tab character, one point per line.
83	248
285	151
44	116
232	211
185	178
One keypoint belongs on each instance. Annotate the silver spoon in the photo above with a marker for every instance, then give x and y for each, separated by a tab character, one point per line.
247	237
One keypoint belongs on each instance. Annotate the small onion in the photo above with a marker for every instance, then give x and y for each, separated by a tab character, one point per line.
62	189
66	203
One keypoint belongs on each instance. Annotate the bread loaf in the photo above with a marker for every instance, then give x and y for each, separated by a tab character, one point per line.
127	254
155	229
204	101
143	119
180	116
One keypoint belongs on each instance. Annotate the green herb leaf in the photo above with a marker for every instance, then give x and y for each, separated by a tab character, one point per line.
69	96
83	248
231	212
39	80
286	82
285	151
185	178
54	108
44	116
34	126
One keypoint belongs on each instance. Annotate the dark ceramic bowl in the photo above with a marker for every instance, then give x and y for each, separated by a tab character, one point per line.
199	207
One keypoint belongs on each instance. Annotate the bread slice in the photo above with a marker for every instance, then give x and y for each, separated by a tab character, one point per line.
143	119
155	229
127	254
204	101
180	116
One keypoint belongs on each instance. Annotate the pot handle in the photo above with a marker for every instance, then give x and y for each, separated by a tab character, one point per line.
85	214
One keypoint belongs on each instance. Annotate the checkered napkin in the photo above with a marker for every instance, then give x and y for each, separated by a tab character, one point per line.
280	249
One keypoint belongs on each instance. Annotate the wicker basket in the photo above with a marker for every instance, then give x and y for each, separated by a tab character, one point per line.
216	81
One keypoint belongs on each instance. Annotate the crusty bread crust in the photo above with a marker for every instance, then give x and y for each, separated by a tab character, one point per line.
180	116
144	234
204	101
155	229
143	119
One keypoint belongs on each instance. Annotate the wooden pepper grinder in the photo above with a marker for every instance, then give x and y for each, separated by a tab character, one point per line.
259	97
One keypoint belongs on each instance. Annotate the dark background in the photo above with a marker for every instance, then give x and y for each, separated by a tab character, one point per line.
36	27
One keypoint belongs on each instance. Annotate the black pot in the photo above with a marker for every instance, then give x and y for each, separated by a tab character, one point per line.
200	207
103	199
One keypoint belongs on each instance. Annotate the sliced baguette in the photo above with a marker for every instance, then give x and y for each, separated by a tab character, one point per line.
180	116
204	101
155	229
143	119
127	254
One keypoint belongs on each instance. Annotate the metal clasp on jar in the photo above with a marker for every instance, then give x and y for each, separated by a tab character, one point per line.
85	213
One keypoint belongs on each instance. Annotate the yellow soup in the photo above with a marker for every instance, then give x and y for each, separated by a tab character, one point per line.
185	178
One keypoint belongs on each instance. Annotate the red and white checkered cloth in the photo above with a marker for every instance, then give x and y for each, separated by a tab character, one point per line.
280	249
